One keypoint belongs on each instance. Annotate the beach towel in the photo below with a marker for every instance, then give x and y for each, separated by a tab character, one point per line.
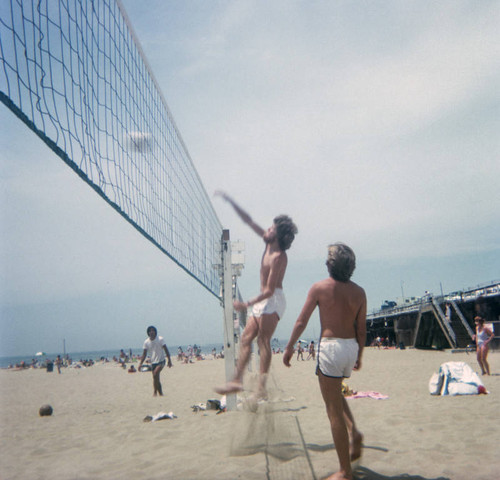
371	394
456	378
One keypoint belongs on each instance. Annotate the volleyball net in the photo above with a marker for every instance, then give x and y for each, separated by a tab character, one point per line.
74	73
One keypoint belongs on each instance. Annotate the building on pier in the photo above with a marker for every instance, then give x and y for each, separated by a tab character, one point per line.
445	321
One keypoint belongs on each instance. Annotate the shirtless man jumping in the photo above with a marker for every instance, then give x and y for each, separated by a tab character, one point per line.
269	305
342	312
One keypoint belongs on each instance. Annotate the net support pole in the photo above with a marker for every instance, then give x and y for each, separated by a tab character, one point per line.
227	296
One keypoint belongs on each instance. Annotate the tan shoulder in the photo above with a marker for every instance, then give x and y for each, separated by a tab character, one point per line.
358	289
322	285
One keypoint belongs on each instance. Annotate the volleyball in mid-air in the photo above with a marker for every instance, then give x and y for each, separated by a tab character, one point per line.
138	142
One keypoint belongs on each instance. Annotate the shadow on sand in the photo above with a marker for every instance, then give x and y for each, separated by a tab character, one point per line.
363	473
330	446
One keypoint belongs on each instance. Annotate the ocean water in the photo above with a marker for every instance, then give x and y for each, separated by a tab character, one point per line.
98	354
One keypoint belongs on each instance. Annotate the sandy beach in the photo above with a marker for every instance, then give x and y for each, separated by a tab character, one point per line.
97	429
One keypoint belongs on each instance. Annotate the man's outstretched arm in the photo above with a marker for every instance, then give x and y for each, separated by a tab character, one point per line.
242	214
300	324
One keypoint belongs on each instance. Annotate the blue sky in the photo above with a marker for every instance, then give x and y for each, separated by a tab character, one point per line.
372	123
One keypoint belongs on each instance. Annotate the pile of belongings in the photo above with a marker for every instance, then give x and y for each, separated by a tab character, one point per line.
160	416
346	391
456	378
219	405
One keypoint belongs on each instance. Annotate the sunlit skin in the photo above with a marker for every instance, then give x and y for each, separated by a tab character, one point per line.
482	348
342	309
272	271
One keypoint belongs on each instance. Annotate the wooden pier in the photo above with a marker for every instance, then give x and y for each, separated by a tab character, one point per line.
445	321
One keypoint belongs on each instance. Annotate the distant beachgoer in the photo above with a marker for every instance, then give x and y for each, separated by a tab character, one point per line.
483	338
132	369
123	356
269	305
342	311
300	351
158	351
312	351
58	363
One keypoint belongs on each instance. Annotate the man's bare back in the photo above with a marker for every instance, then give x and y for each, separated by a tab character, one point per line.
342	310
341	305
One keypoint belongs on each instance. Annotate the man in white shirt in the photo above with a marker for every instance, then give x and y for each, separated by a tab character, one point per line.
158	351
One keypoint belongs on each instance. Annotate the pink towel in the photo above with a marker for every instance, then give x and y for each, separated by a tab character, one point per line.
375	395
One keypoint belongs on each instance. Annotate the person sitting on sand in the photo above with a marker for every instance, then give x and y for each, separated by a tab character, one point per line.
158	351
483	338
342	312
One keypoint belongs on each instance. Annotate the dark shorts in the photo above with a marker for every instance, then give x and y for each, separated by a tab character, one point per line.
154	365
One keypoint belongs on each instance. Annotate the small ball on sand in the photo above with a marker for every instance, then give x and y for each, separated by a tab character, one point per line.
45	410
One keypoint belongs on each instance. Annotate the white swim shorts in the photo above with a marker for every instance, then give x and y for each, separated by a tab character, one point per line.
276	303
337	356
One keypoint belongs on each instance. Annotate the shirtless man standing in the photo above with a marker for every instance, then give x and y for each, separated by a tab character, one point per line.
342	311
269	305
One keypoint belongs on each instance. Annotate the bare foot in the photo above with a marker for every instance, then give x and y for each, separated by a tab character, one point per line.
229	387
261	395
356	446
338	476
257	398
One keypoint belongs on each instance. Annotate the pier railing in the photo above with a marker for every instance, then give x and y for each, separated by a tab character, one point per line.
443	322
485	290
411	322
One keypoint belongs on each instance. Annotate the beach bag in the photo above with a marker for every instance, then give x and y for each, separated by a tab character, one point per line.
456	378
213	405
436	383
